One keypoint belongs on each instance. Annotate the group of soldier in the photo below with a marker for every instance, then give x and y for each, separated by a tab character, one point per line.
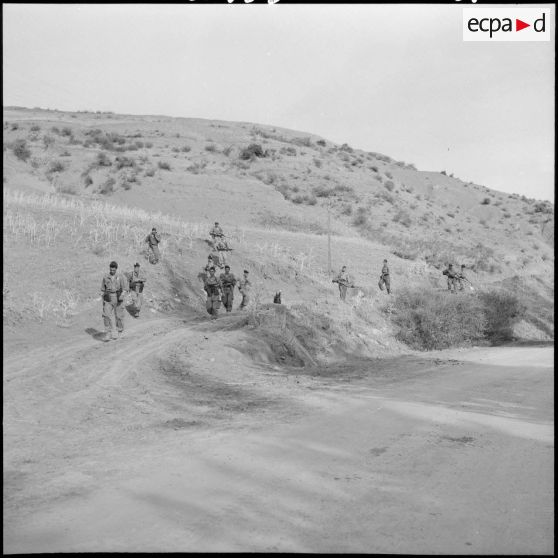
456	279
126	289
345	282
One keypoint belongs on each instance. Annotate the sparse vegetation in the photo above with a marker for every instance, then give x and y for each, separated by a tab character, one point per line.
20	150
163	165
251	152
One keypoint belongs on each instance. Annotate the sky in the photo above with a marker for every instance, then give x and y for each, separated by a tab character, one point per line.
397	79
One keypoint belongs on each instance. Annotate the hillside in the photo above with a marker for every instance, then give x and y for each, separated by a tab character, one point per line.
83	188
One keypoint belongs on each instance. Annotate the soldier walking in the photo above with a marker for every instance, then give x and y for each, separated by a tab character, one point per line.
452	277
153	240
222	249
137	280
113	287
228	281
212	287
216	233
384	278
245	286
344	282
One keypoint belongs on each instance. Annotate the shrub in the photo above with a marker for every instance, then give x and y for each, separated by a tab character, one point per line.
35	128
47	141
164	165
402	217
347	209
321	142
374	168
88	181
102	160
148	144
107	187
389	185
291	151
502	310
20	149
122	162
227	150
212	148
485	201
66	131
252	151
150	172
322	191
56	166
361	218
430	320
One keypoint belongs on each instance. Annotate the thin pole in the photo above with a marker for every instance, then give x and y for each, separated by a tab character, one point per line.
328	241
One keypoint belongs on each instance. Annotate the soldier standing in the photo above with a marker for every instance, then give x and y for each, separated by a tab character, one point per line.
228	281
245	286
137	280
343	281
384	278
461	277
452	277
212	287
153	240
113	287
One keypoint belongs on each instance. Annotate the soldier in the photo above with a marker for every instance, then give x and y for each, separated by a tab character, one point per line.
384	278
344	282
452	277
212	287
277	298
222	248
460	277
137	280
153	240
113	287
215	233
245	286
228	281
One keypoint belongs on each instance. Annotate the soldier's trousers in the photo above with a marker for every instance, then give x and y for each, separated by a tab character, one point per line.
245	300
384	280
342	291
227	298
451	284
212	305
156	254
222	257
138	300
113	314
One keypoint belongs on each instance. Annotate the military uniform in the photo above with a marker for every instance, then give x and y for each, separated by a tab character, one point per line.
384	278
344	282
137	280
460	278
153	240
245	286
452	278
112	289
215	233
228	281
212	287
222	249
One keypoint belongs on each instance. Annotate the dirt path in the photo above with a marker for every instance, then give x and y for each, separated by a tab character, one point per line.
170	441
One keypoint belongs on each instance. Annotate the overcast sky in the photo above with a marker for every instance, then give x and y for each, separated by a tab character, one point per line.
397	79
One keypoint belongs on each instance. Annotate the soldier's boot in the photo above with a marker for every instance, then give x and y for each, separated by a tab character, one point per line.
107	336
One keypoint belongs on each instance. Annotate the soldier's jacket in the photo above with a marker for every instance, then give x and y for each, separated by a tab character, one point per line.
153	239
385	270
451	273
343	279
228	280
137	278
212	286
113	284
244	285
216	231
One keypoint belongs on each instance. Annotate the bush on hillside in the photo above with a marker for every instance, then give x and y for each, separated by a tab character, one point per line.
485	201
122	162
56	166
251	152
165	166
107	187
321	142
431	320
389	185
20	149
502	310
102	160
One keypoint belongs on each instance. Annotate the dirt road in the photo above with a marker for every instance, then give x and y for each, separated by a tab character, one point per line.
170	441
